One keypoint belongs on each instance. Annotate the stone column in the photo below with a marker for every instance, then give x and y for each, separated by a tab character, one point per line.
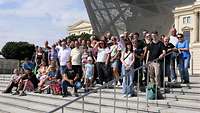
196	27
176	22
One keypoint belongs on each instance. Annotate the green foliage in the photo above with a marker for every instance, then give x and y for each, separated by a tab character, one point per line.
18	50
84	36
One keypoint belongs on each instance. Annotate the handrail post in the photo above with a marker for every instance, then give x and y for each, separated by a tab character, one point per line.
83	107
192	72
62	109
164	74
100	101
138	87
114	95
147	100
126	80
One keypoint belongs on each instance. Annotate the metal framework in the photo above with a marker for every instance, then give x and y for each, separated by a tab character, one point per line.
118	16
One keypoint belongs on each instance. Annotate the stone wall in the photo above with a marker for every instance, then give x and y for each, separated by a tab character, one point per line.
195	60
7	65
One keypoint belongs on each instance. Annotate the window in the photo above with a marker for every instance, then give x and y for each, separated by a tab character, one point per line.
187	20
186	35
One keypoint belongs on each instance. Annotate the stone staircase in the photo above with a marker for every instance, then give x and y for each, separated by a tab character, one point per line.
185	99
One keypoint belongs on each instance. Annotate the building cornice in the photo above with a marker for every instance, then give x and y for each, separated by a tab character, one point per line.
82	28
188	9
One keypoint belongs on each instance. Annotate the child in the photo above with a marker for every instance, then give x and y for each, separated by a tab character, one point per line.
14	81
89	73
52	80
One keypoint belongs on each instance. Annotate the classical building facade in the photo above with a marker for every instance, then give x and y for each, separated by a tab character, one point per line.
187	21
80	27
118	16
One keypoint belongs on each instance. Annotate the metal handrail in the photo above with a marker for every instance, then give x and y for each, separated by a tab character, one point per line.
106	84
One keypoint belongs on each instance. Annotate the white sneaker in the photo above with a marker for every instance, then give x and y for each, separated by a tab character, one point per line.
124	95
174	80
129	95
118	83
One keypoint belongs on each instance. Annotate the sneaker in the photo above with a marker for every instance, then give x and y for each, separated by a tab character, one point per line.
124	95
38	91
118	84
174	81
186	82
64	95
130	95
76	95
22	93
15	93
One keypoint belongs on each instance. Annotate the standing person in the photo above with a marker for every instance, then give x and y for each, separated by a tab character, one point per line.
184	58
155	49
138	47
89	73
173	40
146	41
75	59
102	61
46	51
53	55
128	60
58	45
39	56
114	58
84	57
169	61
64	59
173	37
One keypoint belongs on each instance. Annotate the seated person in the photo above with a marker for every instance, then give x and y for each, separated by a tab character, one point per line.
42	71
70	79
13	82
27	64
48	80
27	82
53	79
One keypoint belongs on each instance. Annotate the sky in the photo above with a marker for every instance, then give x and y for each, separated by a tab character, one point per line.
35	21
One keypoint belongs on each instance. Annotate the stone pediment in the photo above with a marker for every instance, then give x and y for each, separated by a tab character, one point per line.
79	25
187	28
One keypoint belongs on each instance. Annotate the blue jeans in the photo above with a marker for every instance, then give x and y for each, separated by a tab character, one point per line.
123	70
63	69
127	85
65	85
172	66
183	68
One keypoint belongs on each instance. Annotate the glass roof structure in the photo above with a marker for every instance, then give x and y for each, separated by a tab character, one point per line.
118	16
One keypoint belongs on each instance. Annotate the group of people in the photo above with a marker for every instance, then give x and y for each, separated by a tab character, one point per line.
84	63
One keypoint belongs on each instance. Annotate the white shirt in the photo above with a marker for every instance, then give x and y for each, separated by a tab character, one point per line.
76	56
102	54
173	40
58	48
64	56
129	59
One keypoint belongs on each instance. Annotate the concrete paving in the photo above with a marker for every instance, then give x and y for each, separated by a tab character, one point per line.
185	99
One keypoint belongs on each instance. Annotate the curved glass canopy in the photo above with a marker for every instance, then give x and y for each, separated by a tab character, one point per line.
118	16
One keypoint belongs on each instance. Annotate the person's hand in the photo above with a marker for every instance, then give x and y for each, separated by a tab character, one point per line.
179	50
71	82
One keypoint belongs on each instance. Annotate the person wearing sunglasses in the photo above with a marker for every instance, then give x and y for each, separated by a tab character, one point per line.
184	58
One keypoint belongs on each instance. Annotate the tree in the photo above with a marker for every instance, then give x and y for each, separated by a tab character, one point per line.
84	36
18	50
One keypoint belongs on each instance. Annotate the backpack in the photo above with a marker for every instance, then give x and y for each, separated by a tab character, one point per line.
56	88
151	91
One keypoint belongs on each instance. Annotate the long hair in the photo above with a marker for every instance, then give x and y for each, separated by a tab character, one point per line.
129	43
